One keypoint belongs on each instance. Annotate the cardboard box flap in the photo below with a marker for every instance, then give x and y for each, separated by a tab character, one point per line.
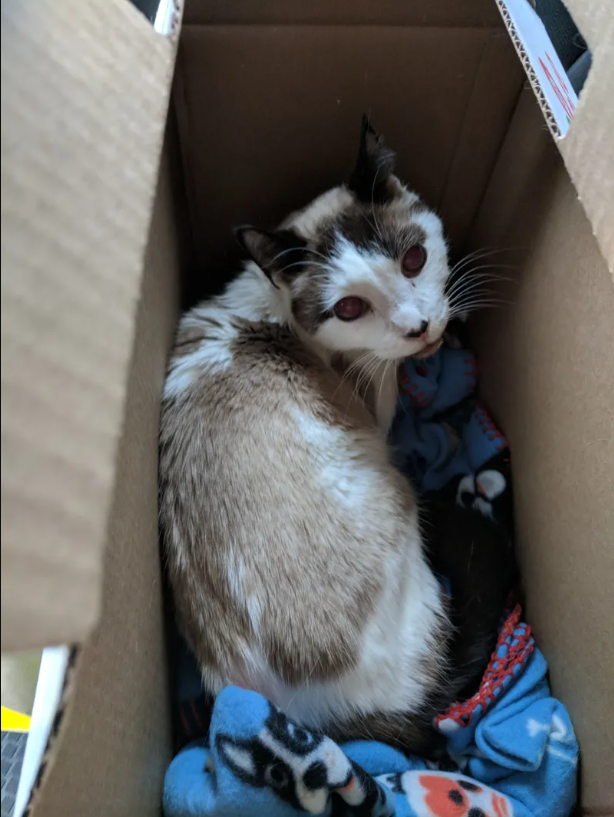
588	149
111	742
544	69
84	98
583	128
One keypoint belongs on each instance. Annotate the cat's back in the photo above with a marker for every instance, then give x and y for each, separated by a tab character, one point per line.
250	413
278	501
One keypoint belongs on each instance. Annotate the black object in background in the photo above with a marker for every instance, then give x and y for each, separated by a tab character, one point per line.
562	30
567	40
147	7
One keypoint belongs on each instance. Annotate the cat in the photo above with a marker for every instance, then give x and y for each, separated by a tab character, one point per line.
293	544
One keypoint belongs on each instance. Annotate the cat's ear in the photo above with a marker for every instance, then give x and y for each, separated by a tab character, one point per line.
278	253
374	165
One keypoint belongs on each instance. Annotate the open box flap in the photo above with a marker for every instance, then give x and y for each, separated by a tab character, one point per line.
110	742
84	98
584	129
588	149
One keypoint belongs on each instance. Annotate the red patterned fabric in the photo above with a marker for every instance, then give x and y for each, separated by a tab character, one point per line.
516	643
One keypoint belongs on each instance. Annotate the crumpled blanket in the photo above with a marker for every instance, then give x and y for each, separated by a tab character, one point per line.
445	439
512	748
512	744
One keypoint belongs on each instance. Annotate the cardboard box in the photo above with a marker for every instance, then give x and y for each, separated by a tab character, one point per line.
101	228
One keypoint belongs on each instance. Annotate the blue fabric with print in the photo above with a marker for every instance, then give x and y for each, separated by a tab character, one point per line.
515	755
441	431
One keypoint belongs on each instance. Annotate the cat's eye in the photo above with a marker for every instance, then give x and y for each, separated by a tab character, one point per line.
350	308
413	260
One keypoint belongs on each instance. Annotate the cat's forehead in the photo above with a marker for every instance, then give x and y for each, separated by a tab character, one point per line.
337	219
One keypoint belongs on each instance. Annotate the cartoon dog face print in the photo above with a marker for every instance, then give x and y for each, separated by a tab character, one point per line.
451	795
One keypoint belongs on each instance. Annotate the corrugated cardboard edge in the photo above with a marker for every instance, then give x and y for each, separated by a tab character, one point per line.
528	67
85	89
168	19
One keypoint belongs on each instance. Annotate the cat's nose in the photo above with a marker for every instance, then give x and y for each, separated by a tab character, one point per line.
417	333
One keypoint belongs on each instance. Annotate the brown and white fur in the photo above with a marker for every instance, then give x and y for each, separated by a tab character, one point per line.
293	544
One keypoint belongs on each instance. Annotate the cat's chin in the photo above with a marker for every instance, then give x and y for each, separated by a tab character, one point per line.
429	349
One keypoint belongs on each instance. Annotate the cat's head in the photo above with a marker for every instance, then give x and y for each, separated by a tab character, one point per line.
364	266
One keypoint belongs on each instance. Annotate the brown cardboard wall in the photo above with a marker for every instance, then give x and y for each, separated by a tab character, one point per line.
269	117
547	371
115	741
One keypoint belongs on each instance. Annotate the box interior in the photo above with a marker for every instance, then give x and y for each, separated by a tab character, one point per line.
265	114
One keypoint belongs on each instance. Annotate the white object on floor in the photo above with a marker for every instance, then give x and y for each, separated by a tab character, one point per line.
46	701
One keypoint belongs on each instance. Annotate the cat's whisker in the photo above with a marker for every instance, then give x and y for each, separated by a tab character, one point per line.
478	298
379	232
303	263
357	381
471	283
473	307
460	266
472	270
367	374
480	278
472	274
304	684
484	252
363	374
369	222
282	253
460	306
477	288
319	254
383	378
464	305
350	371
489	250
468	259
358	362
473	292
294	249
374	370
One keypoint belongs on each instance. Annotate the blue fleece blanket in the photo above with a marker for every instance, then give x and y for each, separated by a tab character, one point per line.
512	749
